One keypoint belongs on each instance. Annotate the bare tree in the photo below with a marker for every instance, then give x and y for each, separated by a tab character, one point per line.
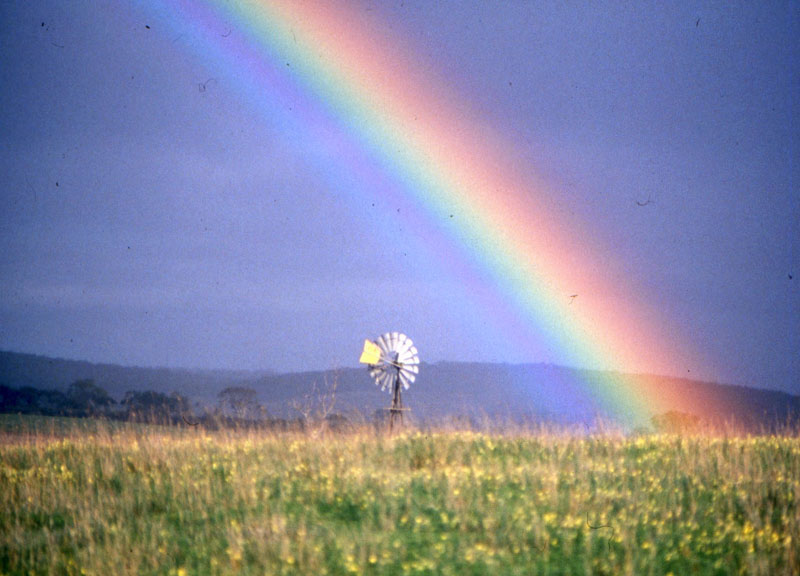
240	402
316	407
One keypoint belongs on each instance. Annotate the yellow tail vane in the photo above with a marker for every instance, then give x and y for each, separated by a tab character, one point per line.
371	353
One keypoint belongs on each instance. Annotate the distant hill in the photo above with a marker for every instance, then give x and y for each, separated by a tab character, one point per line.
18	370
447	390
522	392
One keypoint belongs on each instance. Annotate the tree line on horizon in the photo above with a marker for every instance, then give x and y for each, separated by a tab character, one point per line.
236	406
84	398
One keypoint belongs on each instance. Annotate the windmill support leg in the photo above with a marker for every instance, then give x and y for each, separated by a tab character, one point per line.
397	405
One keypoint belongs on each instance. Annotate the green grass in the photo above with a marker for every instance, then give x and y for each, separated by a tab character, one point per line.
80	498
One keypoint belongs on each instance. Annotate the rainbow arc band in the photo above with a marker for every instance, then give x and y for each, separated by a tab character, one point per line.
358	88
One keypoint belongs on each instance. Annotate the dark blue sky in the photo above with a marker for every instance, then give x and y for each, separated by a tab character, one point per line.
152	215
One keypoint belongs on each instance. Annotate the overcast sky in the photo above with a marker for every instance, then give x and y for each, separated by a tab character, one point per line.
151	214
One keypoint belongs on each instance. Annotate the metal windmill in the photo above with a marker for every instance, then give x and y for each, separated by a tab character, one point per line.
393	363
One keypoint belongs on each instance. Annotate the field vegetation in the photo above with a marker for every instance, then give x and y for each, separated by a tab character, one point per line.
87	497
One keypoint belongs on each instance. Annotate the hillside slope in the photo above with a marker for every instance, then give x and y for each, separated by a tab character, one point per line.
447	390
18	370
527	392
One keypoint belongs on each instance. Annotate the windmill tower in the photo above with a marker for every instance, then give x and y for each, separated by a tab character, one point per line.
393	363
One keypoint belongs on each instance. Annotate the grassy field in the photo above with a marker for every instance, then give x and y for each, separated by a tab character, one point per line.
88	498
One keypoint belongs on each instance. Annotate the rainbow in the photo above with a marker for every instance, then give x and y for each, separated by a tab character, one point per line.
361	94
